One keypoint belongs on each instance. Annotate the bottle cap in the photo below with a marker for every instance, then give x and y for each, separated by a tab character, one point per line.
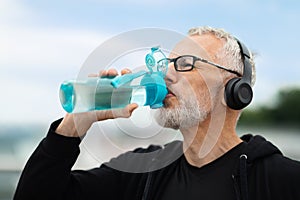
156	89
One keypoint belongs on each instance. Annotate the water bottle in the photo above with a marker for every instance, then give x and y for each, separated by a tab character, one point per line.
95	93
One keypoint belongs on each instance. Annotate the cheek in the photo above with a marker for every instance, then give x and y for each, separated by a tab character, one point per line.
196	85
195	88
201	92
203	96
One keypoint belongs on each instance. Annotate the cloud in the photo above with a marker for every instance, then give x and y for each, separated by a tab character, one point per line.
35	57
13	10
26	43
35	47
34	60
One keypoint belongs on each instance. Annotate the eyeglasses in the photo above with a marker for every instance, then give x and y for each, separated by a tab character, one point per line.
187	63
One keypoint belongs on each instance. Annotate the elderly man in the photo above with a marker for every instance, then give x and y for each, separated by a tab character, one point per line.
209	82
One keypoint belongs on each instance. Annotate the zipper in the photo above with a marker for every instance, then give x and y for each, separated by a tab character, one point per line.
147	186
236	187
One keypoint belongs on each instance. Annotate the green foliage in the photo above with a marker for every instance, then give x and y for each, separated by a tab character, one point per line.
286	111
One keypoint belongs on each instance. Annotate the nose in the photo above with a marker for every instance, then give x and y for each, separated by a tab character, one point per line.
171	76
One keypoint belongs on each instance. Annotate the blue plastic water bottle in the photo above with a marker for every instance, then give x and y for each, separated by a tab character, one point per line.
109	93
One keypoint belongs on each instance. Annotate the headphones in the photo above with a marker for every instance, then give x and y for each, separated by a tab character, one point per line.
238	91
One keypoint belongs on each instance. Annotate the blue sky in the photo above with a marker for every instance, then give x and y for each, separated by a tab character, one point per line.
43	43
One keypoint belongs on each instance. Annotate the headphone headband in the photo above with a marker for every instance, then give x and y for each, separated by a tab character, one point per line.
238	91
246	55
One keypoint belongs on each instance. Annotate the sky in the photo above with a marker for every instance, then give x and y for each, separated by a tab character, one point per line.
43	43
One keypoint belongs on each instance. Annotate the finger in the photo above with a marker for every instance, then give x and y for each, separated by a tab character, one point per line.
108	73
103	73
125	71
112	73
118	113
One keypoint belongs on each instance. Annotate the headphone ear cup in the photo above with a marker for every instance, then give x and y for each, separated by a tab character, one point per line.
238	94
229	90
242	94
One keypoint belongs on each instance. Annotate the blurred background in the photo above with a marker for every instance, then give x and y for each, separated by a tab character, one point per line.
43	43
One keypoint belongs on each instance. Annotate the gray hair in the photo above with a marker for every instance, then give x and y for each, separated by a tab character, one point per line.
230	55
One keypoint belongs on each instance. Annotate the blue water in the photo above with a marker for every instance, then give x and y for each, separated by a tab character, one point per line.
82	96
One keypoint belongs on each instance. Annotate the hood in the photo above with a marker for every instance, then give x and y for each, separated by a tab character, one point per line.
258	147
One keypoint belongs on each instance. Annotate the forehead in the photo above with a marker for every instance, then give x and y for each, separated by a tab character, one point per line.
204	46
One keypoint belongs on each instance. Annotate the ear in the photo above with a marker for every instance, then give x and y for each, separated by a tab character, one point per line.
223	97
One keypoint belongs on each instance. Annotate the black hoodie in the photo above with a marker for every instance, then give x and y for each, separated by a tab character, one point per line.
262	172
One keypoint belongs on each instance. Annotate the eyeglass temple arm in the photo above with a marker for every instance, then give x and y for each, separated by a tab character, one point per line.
219	66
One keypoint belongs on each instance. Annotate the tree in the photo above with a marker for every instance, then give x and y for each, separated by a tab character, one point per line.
286	111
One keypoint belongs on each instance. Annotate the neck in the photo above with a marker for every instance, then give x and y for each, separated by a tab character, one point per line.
209	140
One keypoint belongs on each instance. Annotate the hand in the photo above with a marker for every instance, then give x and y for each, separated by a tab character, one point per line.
77	124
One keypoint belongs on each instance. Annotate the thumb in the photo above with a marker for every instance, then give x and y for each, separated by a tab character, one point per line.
116	113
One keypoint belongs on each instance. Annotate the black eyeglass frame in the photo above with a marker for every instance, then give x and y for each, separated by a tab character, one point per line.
191	67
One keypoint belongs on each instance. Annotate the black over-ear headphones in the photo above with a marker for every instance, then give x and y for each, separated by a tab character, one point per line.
238	91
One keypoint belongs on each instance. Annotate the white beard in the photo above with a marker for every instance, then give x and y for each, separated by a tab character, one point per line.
185	115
